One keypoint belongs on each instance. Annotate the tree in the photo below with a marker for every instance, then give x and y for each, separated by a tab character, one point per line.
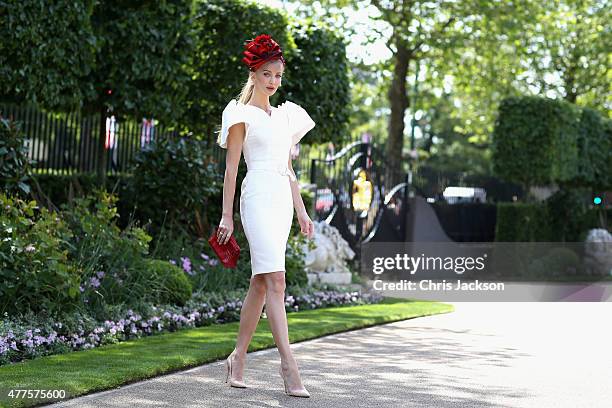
45	53
481	52
568	50
420	30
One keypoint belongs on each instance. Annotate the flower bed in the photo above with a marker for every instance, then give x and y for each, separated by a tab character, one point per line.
20	340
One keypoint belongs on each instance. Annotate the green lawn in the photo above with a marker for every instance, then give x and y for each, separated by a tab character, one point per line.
109	366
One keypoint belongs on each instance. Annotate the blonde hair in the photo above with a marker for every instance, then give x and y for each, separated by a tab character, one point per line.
247	90
243	97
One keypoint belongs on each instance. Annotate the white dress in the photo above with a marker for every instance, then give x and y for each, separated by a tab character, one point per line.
266	203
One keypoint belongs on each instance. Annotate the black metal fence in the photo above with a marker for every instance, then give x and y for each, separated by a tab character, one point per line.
67	143
302	164
354	195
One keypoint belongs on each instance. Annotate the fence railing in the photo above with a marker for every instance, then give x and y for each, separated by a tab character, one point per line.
69	143
66	143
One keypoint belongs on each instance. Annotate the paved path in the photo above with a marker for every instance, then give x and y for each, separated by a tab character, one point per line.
482	355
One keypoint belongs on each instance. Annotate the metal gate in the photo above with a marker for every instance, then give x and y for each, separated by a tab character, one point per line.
351	194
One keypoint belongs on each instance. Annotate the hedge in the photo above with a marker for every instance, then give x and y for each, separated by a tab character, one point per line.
527	139
539	141
535	222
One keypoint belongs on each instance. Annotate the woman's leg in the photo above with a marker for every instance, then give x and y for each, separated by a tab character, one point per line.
249	317
277	318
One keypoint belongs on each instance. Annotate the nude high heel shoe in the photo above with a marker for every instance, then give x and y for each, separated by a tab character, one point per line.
299	393
228	377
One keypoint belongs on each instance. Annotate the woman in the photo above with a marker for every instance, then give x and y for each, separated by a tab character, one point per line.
268	194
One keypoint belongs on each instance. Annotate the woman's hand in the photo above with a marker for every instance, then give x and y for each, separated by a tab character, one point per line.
306	224
225	230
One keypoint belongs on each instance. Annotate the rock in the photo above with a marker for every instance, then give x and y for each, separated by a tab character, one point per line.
598	252
335	278
327	262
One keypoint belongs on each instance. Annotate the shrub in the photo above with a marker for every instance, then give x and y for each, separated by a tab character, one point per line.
557	262
521	222
566	213
295	275
563	217
535	140
172	184
35	273
199	262
109	260
594	146
99	244
541	141
168	283
14	161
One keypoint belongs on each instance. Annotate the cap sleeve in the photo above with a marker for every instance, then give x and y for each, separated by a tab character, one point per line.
232	114
299	121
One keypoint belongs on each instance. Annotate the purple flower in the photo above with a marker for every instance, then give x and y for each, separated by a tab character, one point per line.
32	342
173	262
100	274
94	282
204	256
186	264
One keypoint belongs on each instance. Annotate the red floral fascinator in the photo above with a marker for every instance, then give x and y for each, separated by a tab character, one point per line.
260	50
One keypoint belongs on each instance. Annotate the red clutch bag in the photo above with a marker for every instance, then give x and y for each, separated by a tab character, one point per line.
227	253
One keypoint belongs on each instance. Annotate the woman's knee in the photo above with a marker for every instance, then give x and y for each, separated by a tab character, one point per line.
275	282
258	284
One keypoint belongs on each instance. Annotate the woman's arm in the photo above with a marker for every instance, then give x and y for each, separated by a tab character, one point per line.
306	224
235	138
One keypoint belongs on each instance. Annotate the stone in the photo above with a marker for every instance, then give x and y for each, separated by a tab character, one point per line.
326	263
334	278
598	252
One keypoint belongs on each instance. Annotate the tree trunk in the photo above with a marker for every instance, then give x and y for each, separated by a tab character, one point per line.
398	99
571	94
